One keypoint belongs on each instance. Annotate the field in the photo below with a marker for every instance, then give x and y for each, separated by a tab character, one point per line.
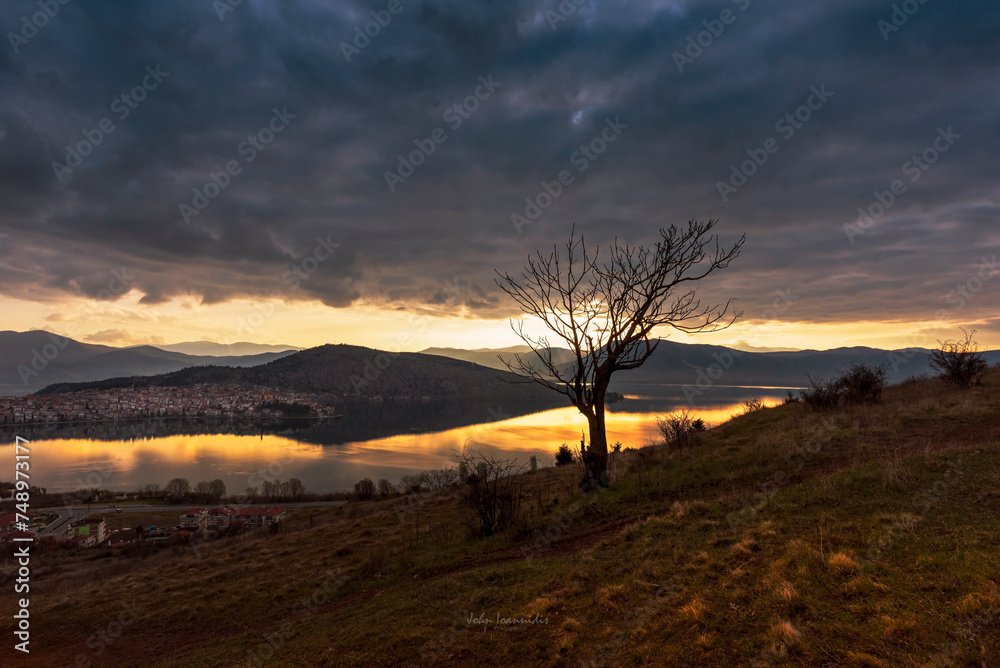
864	536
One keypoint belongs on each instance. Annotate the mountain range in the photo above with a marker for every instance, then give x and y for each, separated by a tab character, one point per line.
689	364
31	361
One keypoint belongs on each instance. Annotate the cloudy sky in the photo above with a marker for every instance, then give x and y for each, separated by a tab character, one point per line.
267	171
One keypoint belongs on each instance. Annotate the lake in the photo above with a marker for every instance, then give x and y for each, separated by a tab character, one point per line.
386	439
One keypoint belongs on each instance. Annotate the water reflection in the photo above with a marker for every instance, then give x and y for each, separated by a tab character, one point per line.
374	439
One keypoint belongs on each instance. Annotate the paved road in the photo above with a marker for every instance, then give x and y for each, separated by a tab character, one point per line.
67	513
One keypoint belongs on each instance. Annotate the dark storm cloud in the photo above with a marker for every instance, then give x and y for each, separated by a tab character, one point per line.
433	241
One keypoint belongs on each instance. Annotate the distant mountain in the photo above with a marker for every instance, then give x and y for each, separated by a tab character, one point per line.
688	364
225	349
491	357
748	348
350	371
31	360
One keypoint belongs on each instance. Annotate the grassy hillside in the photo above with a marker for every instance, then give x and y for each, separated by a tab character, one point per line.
868	536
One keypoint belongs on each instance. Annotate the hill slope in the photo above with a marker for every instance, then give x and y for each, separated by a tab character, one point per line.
343	370
866	536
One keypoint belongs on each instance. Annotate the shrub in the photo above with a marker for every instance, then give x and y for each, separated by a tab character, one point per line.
753	405
492	493
411	482
679	430
820	395
564	455
386	488
440	479
960	362
862	383
364	489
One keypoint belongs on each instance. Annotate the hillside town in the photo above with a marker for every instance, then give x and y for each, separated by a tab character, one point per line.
130	403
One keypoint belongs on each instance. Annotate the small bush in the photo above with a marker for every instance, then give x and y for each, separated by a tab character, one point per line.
753	405
863	383
821	394
860	384
411	483
960	362
679	429
564	455
492	493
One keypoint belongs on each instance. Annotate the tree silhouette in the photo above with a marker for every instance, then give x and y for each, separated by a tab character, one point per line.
606	313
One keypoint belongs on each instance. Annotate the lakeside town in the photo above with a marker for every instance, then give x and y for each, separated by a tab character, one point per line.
130	403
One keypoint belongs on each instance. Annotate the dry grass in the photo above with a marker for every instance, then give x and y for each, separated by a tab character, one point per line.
756	543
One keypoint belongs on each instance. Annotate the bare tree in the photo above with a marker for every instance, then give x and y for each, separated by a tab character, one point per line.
177	489
296	488
203	491
606	313
217	489
364	489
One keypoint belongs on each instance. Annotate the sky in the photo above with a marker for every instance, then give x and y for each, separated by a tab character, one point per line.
306	172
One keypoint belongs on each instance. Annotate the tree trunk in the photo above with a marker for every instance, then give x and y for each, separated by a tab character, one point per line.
596	456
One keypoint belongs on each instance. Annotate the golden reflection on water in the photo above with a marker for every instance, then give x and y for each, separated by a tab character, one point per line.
68	464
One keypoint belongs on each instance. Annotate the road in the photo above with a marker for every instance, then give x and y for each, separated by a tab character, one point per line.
67	513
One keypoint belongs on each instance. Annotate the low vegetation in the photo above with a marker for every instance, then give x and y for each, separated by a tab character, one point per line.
679	429
862	535
860	384
960	362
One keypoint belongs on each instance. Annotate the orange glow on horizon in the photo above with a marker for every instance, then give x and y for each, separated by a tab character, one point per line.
70	464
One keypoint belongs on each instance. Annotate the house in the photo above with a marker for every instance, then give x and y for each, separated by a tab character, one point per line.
257	518
9	536
195	519
89	531
153	535
220	517
9	522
